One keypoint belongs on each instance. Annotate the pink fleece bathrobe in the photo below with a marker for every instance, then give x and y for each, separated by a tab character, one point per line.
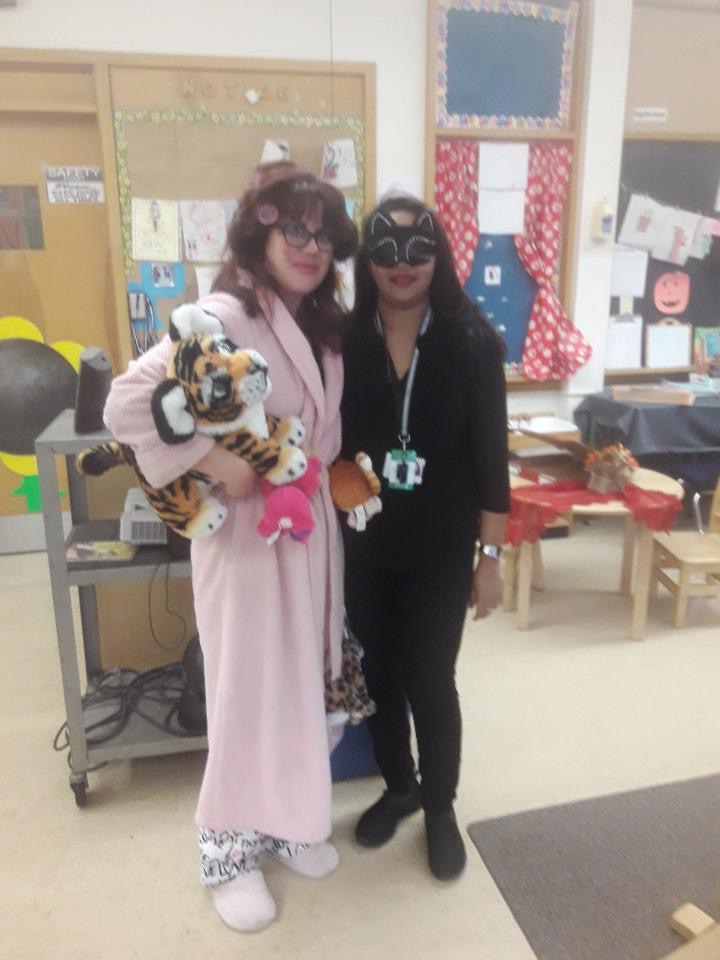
269	618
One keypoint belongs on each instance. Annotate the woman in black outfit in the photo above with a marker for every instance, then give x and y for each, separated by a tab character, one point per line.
425	397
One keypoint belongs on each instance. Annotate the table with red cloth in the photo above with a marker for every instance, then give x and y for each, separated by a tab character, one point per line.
649	503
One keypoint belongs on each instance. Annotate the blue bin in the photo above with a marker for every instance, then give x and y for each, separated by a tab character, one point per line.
353	757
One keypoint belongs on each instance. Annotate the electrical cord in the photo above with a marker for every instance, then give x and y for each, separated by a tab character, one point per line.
128	692
172	613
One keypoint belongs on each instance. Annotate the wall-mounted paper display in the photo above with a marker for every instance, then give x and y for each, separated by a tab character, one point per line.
668	344
275	150
163	275
642	222
672	293
338	163
702	241
623	347
501	211
74	185
503	166
155	230
205	224
629	272
675	236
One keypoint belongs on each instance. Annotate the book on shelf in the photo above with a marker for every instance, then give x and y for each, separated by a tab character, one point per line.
102	551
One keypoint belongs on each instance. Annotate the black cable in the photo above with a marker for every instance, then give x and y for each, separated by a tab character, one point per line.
172	613
127	690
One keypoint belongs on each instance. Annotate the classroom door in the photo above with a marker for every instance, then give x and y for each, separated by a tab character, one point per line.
54	287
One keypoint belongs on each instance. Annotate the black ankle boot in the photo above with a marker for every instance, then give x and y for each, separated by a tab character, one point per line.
446	850
378	824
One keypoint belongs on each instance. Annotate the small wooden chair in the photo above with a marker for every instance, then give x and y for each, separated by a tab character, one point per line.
690	553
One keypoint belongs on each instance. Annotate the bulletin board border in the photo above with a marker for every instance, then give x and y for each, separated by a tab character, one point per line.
518	8
124	118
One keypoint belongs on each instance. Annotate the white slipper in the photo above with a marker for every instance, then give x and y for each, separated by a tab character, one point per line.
316	861
245	902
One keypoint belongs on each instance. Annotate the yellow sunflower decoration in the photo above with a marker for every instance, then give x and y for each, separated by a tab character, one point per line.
23	464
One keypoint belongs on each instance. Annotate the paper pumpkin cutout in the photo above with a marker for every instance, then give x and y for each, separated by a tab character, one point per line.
672	293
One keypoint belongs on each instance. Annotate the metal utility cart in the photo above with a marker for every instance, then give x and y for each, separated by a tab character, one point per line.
139	738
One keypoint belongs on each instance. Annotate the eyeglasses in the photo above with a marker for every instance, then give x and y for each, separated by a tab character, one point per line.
298	236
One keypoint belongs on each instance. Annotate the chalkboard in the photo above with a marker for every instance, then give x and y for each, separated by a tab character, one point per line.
685	175
505	65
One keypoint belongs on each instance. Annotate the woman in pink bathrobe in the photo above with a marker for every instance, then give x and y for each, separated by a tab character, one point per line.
269	618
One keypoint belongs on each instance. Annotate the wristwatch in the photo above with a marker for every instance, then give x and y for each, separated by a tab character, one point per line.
490	550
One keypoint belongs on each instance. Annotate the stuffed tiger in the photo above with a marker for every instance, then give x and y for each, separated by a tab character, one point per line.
216	389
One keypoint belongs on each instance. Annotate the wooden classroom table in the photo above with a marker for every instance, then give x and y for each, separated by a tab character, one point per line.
646	480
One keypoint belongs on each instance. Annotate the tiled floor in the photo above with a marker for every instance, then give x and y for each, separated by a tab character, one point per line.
568	709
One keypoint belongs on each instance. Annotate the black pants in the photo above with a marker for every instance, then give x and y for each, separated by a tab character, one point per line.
410	624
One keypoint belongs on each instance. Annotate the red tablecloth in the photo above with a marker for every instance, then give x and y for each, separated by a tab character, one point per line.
535	507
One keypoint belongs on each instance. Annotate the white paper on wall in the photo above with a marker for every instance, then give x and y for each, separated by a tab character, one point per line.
629	272
675	236
623	347
668	345
155	230
501	211
503	166
338	163
702	241
275	150
205	224
642	221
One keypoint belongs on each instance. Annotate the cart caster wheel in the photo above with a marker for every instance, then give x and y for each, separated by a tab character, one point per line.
80	791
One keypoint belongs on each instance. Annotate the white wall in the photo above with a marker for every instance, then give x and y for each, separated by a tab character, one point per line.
391	34
603	115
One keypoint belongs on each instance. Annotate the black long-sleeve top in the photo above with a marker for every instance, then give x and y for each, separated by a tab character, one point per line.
457	422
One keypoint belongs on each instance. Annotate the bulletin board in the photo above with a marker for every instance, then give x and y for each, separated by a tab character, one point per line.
683	174
504	64
197	135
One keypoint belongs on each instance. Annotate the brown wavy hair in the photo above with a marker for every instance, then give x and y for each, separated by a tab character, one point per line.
295	193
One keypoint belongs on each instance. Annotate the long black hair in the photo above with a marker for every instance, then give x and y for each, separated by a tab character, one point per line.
448	300
291	193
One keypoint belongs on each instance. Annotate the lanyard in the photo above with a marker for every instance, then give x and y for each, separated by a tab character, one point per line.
403	435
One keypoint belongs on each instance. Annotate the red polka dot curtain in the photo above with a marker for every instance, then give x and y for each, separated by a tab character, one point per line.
554	349
456	199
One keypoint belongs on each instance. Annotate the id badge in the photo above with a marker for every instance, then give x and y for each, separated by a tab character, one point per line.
403	469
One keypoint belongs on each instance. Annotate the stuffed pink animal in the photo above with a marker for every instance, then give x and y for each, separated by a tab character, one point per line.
287	508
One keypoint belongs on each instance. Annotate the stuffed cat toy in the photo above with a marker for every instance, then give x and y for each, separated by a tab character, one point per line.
213	388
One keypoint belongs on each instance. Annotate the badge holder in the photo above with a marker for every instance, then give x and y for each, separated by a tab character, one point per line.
403	469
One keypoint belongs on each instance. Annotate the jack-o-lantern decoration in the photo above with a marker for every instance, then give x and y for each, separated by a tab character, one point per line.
672	293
